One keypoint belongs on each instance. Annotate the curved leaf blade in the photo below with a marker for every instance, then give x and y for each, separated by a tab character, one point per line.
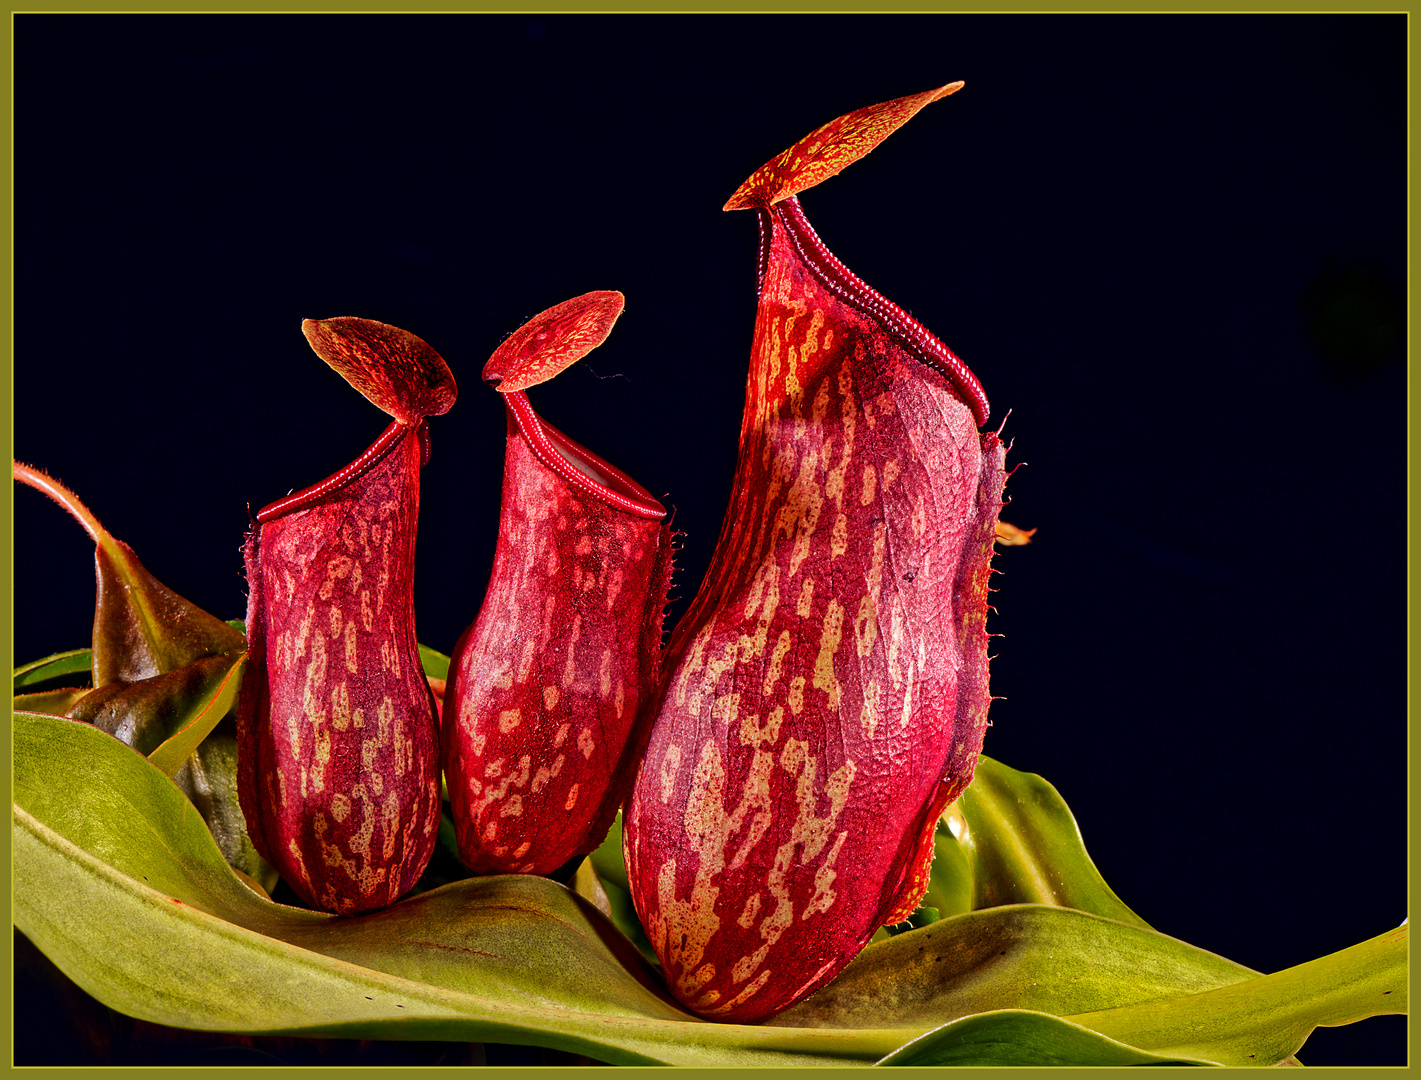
201	716
1266	1020
125	890
74	662
1028	956
1024	846
1021	1037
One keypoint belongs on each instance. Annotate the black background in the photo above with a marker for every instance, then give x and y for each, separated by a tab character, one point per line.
1172	246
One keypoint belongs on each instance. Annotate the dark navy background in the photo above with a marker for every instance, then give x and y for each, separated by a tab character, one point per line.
1173	247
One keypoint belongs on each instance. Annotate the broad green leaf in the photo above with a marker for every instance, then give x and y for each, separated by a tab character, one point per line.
1021	1037
1025	956
74	663
147	713
118	881
1265	1020
201	717
1024	847
435	664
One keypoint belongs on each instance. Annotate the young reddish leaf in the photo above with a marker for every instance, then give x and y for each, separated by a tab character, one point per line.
141	627
826	693
553	340
179	747
547	685
339	763
186	704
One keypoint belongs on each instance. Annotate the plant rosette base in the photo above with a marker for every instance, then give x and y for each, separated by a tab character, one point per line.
1020	955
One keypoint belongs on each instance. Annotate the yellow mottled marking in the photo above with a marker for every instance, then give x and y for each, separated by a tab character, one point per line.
340	806
824	677
824	896
870	485
540	781
509	719
569	673
752	734
604	674
890	473
749	912
561	736
796	695
522	849
550	697
708	832
352	658
866	621
335	620
585	742
571	798
725	707
744	995
806	598
390	822
619	699
367	614
868	719
336	569
513	807
670	766
322	760
839	536
772	673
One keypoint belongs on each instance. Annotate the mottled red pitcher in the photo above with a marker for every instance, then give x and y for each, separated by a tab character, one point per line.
339	742
546	687
826	694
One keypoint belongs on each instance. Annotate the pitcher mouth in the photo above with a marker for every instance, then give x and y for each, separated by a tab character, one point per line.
921	342
374	454
579	466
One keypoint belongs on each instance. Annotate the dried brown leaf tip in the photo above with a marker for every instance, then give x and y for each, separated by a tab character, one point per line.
1008	535
553	341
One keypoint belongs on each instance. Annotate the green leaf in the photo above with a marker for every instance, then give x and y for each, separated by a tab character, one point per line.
200	718
117	881
1023	845
1265	1020
1021	1037
73	663
436	664
1027	956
